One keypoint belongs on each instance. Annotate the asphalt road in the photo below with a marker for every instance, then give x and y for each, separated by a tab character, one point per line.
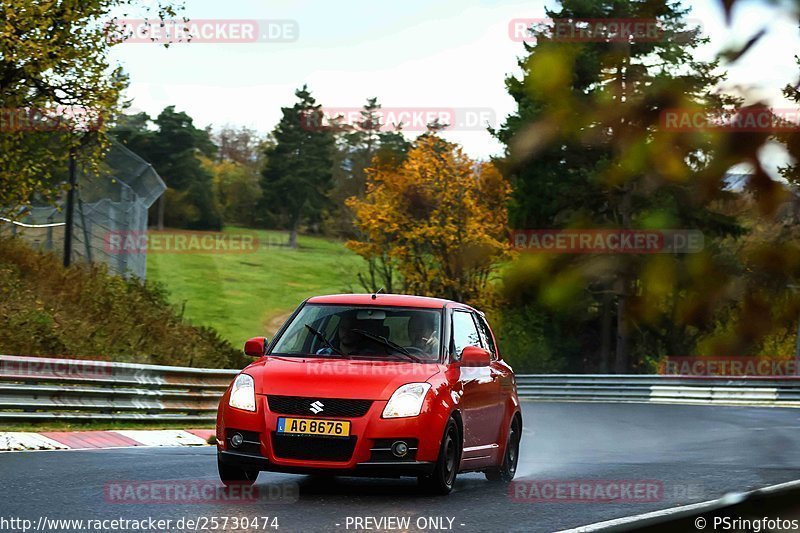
691	453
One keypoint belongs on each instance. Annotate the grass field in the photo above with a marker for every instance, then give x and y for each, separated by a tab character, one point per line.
243	295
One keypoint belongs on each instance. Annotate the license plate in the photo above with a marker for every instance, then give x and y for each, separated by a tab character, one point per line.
310	426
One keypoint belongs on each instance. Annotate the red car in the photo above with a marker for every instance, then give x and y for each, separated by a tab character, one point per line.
380	385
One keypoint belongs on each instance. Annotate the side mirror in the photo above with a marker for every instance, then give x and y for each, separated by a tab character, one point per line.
475	356
255	347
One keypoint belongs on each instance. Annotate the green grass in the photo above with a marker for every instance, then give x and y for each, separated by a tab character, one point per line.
243	295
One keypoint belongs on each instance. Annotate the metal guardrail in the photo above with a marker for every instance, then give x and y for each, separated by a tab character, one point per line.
35	388
760	391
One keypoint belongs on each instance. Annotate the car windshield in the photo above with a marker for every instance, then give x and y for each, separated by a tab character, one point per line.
363	332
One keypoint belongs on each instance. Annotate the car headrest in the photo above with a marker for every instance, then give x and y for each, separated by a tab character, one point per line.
376	328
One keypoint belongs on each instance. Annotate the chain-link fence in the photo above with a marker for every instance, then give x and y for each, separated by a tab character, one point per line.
111	205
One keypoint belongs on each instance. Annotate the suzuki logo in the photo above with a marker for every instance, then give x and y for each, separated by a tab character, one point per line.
317	407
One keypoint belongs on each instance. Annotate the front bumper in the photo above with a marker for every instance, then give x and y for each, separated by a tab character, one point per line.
371	469
369	433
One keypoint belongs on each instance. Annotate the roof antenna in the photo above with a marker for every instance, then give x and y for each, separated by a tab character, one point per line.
376	293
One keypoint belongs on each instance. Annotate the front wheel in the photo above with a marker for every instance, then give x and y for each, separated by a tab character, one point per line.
443	478
234	475
506	471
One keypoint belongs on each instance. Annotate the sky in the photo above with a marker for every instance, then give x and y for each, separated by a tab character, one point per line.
412	55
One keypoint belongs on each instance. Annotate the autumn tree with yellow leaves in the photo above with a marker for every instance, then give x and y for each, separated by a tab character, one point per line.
59	90
439	218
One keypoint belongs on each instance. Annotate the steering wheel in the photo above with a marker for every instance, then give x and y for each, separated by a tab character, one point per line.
415	350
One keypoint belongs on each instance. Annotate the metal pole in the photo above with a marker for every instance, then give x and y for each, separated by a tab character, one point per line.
49	243
70	210
87	234
797	350
797	339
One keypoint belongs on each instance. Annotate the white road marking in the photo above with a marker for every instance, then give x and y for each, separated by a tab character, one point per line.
600	526
728	499
19	441
163	437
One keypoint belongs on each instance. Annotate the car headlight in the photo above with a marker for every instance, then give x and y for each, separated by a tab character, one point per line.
406	400
243	393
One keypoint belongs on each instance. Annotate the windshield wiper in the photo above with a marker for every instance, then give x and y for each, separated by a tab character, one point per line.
388	343
324	340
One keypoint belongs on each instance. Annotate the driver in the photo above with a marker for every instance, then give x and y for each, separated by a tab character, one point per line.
348	341
422	333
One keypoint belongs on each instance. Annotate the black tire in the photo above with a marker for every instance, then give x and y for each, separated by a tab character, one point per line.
234	475
505	472
443	478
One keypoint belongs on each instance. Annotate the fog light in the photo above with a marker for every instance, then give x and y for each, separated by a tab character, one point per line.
237	440
399	449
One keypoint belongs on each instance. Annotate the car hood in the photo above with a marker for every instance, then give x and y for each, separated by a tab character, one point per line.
336	378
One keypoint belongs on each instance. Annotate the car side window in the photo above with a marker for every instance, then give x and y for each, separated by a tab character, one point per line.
464	332
486	336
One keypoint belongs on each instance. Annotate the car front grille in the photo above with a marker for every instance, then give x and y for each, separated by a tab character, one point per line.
297	405
312	448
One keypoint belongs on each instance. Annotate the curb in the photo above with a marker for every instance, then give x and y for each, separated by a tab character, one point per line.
91	440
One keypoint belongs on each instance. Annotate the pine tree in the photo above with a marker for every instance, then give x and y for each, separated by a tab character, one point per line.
357	147
173	150
297	177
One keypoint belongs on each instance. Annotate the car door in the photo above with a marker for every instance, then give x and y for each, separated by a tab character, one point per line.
478	403
502	375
